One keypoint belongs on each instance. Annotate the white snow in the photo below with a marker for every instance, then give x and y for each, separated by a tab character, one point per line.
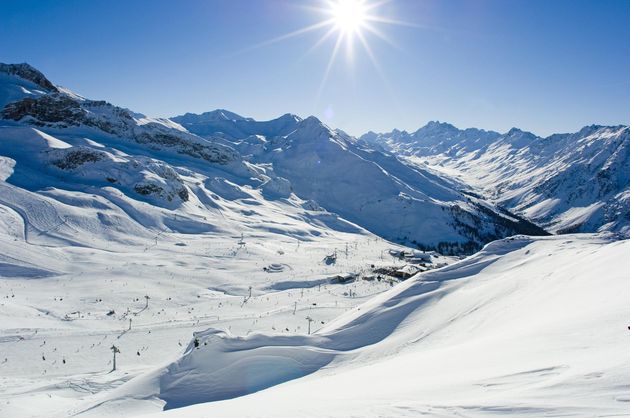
518	329
207	261
544	179
376	191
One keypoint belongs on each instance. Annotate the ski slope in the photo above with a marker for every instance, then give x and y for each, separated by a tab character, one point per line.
62	306
527	327
524	328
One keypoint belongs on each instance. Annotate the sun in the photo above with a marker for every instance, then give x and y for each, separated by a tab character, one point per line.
350	16
347	23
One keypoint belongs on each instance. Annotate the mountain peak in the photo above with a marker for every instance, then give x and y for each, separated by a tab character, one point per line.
223	122
516	132
587	130
311	129
290	116
436	126
437	123
28	72
314	126
227	115
399	132
219	114
519	138
312	120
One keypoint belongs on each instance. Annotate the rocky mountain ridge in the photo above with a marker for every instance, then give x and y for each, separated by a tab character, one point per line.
575	182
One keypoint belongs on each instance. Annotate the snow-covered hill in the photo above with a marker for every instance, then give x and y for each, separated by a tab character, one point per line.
576	182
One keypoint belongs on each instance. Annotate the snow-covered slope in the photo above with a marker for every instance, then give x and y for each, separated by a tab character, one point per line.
377	191
566	182
516	330
92	167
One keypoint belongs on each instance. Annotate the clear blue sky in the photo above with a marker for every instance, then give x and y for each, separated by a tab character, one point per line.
541	65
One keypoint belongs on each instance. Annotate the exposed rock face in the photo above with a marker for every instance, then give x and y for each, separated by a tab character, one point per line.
197	150
46	110
183	194
77	157
62	111
147	189
28	73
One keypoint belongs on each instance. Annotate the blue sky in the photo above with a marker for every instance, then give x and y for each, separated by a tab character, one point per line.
541	65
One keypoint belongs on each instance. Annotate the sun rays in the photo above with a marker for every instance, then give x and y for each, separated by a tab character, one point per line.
345	25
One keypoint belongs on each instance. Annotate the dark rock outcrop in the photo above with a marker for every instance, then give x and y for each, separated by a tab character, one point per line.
60	110
29	73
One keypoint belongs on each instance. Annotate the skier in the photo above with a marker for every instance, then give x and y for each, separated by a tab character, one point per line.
196	342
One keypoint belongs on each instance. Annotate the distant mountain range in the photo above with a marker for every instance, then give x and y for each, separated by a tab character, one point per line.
577	182
109	172
395	200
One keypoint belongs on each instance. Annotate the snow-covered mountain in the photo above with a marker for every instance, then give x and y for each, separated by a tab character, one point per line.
433	138
86	173
235	126
79	144
213	265
576	182
111	221
372	189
